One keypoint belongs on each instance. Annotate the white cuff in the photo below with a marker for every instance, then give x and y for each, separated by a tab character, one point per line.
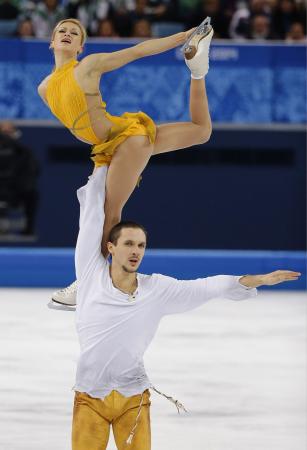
242	285
197	78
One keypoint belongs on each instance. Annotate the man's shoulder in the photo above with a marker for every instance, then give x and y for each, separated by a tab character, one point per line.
157	279
101	267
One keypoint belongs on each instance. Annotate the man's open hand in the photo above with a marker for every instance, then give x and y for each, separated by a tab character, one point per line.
269	279
279	276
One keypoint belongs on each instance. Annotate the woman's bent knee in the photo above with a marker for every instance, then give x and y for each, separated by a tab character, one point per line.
204	134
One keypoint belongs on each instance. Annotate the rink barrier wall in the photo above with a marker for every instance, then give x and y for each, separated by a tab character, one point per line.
243	189
44	267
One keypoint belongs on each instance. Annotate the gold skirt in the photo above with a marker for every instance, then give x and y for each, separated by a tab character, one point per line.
128	124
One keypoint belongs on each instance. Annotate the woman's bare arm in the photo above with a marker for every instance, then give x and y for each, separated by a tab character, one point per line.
41	89
105	62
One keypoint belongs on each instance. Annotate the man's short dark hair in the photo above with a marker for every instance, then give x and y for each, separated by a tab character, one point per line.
116	230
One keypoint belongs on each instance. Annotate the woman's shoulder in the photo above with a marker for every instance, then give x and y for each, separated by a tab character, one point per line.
44	82
42	87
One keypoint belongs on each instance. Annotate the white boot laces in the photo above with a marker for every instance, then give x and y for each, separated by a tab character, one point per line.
69	289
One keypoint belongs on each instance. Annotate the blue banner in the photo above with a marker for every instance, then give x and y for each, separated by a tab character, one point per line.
246	83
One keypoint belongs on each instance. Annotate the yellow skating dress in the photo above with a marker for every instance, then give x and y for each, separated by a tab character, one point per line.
67	102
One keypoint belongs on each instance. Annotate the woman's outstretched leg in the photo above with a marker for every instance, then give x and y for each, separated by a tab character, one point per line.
133	155
175	136
199	108
127	165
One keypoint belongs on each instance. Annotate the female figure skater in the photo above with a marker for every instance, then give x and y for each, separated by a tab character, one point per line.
124	143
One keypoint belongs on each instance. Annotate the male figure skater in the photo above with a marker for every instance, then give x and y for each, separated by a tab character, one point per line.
118	312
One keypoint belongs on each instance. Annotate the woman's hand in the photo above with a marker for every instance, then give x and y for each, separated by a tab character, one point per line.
188	33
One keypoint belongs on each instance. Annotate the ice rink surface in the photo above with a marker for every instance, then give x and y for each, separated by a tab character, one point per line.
238	367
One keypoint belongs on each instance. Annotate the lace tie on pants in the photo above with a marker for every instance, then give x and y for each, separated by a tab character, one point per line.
178	405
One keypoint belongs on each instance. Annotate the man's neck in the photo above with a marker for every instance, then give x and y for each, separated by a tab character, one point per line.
122	280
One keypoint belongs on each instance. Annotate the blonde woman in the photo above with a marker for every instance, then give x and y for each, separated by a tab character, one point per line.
125	143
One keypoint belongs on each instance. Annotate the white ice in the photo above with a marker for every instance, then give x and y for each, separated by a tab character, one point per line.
238	367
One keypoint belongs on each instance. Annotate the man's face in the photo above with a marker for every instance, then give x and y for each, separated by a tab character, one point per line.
129	250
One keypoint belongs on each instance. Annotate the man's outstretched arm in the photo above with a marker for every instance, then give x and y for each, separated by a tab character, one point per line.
183	295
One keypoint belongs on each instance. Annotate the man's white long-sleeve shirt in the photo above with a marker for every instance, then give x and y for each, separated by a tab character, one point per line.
115	328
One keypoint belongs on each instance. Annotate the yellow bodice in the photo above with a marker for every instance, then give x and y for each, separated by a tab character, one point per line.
68	103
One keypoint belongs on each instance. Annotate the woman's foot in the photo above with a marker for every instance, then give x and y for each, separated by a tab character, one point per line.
196	50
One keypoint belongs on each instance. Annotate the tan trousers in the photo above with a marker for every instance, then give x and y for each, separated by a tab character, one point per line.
92	418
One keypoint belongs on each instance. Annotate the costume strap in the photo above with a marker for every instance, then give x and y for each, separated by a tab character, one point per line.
178	405
132	432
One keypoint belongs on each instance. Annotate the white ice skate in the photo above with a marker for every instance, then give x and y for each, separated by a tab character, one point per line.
64	299
196	49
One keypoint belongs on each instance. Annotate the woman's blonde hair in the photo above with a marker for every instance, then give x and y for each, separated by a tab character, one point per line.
76	22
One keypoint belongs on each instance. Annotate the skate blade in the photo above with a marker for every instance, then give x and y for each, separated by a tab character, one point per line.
203	30
60	307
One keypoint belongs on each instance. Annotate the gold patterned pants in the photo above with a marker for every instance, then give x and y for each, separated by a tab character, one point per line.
93	417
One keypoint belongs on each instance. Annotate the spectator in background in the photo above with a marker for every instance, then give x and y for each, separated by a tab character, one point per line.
220	17
106	29
8	18
89	12
240	24
159	9
18	175
120	15
141	10
286	13
45	15
142	29
145	10
25	28
123	5
186	10
130	12
8	10
296	33
260	28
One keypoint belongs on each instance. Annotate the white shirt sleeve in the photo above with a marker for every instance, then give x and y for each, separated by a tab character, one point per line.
91	198
178	296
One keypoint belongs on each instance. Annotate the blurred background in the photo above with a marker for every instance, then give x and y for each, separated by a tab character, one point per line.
235	205
244	190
